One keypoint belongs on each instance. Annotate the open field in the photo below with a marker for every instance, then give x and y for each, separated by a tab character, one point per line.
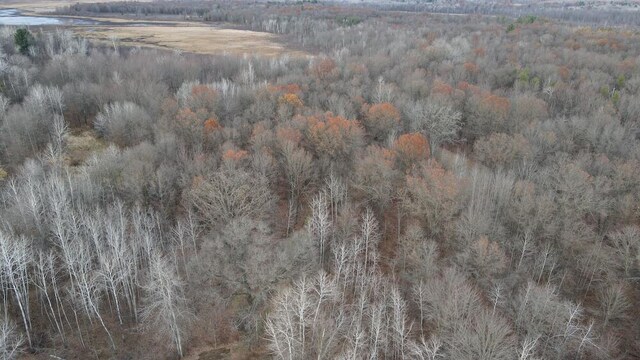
193	38
176	35
44	6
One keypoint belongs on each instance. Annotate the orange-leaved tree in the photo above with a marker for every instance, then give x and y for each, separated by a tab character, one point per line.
234	155
411	149
288	105
290	99
333	137
211	125
381	119
441	88
486	113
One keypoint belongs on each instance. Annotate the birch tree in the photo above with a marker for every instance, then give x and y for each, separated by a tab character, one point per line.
15	258
11	340
164	306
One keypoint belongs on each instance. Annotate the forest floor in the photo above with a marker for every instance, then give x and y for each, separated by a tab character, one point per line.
187	36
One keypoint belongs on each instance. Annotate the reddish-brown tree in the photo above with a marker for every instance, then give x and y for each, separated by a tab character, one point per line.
411	148
333	136
381	119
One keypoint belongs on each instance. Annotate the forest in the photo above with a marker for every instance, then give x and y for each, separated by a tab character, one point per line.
418	186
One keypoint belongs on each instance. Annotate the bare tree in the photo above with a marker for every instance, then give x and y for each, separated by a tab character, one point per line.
15	258
89	287
319	224
287	325
486	336
626	244
558	323
58	134
614	303
46	281
298	171
399	326
231	193
441	123
527	349
427	349
382	92
124	123
164	309
449	300
10	340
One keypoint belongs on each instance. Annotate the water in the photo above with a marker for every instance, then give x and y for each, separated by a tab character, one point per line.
12	17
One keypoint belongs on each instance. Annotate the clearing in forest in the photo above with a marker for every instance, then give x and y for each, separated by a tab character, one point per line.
195	38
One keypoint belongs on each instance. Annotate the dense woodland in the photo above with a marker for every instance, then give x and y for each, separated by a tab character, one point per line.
418	187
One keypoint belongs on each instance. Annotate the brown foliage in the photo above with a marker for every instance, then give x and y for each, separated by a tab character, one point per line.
627	66
291	100
286	88
234	155
442	88
333	136
501	149
203	97
487	113
380	119
467	87
288	134
410	149
496	104
169	107
288	105
324	68
432	196
187	118
211	125
564	72
471	68
528	108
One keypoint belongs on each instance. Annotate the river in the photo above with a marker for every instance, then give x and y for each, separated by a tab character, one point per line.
12	17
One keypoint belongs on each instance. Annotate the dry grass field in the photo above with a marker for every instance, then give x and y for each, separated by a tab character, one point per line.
193	38
176	35
44	6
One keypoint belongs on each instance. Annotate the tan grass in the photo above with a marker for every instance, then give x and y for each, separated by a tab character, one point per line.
80	146
195	38
42	6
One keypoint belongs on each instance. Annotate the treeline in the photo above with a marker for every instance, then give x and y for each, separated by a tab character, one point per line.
194	8
230	12
243	14
597	16
417	190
